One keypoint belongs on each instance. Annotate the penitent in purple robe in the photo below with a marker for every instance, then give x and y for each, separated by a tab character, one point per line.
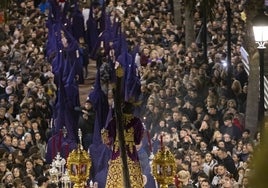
133	132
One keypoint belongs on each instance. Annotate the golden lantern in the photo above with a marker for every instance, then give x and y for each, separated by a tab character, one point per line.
78	165
163	167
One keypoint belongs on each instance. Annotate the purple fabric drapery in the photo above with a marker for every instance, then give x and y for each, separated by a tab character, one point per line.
66	67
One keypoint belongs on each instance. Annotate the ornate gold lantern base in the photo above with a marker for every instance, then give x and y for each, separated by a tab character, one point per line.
163	167
78	166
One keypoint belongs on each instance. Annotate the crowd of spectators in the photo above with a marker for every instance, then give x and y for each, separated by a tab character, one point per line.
188	102
185	100
27	94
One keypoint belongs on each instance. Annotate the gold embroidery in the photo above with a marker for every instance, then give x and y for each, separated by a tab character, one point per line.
129	139
115	174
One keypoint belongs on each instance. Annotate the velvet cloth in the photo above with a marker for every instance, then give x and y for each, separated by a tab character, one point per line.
134	127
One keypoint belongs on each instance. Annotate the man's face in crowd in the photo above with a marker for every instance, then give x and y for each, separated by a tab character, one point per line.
221	170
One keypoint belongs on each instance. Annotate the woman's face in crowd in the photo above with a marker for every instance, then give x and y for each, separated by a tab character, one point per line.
162	123
235	157
218	136
208	157
29	165
16	172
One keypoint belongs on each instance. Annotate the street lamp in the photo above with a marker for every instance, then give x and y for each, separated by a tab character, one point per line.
260	29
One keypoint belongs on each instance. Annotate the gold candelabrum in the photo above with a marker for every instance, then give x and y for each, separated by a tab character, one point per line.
163	167
78	165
